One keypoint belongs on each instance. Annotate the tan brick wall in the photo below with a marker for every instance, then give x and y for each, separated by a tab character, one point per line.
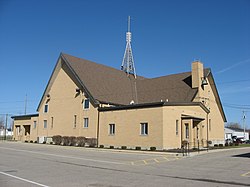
128	124
64	104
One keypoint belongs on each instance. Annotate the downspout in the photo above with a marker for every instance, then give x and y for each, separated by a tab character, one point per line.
207	132
98	126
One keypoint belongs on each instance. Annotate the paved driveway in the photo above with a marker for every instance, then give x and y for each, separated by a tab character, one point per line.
23	164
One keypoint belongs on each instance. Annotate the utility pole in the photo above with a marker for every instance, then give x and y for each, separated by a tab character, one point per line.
5	129
25	105
244	125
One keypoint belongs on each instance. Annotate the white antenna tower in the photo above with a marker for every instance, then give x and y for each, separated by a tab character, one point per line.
128	65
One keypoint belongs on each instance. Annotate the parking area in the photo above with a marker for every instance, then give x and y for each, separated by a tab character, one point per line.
25	164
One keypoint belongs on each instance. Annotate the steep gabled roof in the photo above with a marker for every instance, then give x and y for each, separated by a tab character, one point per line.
109	85
106	84
171	88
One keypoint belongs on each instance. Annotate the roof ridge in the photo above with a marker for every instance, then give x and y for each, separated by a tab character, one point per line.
103	65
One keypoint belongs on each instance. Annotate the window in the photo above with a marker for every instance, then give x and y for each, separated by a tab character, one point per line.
86	122
144	128
75	121
52	122
34	124
45	124
176	127
46	108
111	129
86	104
210	125
186	131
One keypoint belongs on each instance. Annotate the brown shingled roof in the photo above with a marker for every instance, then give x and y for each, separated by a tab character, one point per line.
110	85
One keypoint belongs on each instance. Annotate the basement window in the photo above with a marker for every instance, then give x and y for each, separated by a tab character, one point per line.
86	104
144	128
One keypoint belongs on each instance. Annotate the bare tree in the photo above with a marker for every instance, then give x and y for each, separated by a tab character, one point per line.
233	125
2	123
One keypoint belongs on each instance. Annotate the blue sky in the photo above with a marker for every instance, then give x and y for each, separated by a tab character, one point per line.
167	35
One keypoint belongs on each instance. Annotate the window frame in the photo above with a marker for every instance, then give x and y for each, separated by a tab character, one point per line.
45	125
52	123
84	104
46	108
75	121
177	127
112	129
144	129
85	123
34	124
187	130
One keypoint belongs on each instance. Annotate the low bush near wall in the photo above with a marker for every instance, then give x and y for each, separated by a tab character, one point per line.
111	147
124	147
92	142
80	141
31	141
57	139
152	148
72	141
137	148
101	146
65	140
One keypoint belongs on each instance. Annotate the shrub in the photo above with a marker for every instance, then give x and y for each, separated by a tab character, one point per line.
51	143
152	148
44	142
215	145
65	140
57	139
80	141
236	144
35	141
111	147
209	142
31	141
124	147
26	141
137	148
72	140
101	146
92	142
231	144
220	145
226	144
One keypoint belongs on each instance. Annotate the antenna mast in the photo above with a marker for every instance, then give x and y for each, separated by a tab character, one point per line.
128	65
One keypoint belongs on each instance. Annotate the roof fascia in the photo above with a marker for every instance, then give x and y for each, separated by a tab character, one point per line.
134	106
95	102
188	104
25	116
217	97
49	82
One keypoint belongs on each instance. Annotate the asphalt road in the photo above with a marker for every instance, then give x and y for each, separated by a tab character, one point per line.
23	164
